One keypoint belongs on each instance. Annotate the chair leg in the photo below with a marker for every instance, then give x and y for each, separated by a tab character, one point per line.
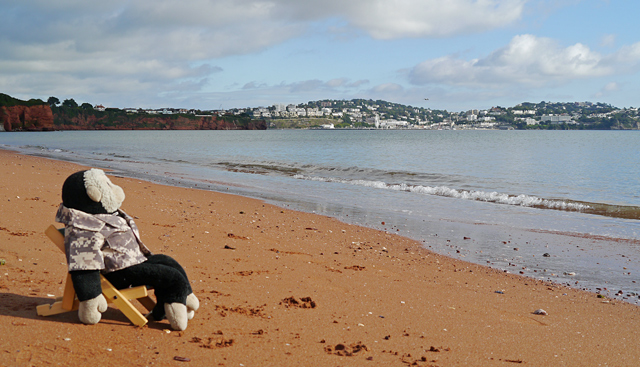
114	296
69	297
140	293
52	309
147	302
68	302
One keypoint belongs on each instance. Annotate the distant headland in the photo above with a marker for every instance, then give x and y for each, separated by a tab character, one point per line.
38	115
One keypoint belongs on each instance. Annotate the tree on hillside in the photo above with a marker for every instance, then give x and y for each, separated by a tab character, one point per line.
86	106
53	101
70	103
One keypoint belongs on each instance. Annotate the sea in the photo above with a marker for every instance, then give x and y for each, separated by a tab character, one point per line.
559	206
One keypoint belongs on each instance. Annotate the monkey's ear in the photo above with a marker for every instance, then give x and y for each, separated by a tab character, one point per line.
101	190
94	193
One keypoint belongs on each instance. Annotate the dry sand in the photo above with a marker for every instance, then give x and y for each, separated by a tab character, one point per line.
284	288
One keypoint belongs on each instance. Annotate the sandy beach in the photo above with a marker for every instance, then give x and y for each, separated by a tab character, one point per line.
284	288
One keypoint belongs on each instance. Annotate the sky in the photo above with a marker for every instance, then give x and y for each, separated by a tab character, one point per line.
451	55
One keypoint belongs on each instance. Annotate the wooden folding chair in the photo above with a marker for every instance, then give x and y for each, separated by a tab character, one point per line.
120	298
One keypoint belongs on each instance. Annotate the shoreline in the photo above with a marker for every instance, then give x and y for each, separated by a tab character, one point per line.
597	263
382	298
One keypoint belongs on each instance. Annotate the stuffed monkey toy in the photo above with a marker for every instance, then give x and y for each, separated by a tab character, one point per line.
102	239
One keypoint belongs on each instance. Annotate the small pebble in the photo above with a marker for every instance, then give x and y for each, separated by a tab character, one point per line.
540	312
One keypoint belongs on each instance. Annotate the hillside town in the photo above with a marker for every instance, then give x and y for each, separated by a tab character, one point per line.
386	115
369	114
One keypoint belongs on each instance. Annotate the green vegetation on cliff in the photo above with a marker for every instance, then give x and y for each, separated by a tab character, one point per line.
8	101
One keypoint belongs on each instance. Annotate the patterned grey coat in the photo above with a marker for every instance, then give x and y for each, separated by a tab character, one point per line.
106	242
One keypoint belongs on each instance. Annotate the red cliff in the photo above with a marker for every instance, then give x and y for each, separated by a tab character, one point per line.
26	118
36	115
119	120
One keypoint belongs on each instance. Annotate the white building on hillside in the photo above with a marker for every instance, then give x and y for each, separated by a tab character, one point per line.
556	119
375	120
393	124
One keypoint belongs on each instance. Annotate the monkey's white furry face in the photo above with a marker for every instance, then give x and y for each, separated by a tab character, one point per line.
101	190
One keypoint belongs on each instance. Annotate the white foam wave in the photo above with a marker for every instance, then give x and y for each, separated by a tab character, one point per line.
492	197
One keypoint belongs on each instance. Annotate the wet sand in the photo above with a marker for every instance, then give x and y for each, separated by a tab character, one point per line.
284	288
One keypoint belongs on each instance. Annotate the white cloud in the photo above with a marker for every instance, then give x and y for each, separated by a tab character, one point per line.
315	85
262	94
387	88
201	29
335	83
384	19
608	89
345	83
358	83
608	40
529	61
157	50
150	46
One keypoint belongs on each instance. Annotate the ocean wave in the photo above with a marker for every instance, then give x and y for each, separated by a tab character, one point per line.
353	173
414	182
259	168
491	197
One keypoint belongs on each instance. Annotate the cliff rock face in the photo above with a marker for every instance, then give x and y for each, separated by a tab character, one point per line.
213	123
122	121
26	118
